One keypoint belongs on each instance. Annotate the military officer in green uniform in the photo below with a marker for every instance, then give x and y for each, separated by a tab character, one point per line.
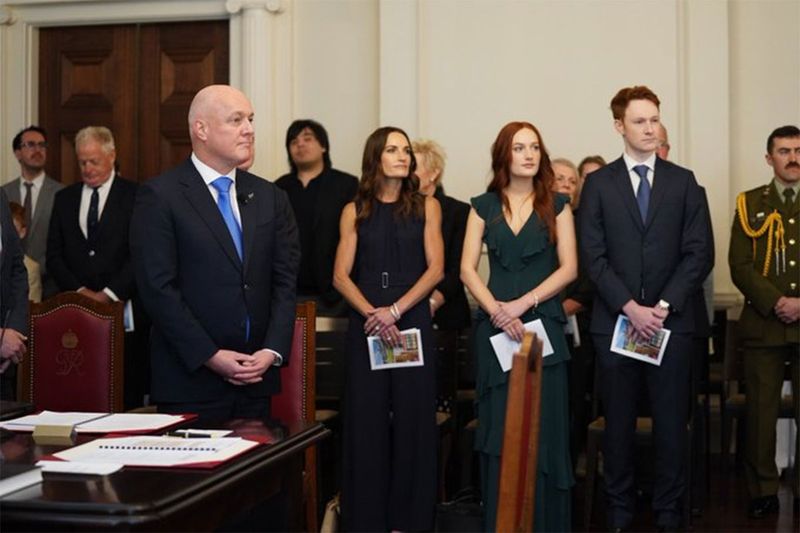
763	258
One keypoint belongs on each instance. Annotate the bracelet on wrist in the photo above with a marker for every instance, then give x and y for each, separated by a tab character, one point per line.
535	300
395	311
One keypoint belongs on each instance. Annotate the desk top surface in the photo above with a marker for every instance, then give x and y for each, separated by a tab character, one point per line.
139	495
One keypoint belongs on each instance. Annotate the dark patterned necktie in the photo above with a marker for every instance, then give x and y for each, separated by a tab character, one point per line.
91	217
28	206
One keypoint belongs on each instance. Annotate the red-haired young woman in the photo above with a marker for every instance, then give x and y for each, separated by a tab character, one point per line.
530	237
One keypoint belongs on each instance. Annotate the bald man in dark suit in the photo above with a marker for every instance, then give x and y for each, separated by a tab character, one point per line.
216	255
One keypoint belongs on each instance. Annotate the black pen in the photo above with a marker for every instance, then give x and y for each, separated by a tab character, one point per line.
189	435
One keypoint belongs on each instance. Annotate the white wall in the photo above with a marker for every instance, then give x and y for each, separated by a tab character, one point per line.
765	82
336	73
727	72
548	62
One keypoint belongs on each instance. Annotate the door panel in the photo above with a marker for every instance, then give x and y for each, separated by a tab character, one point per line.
87	77
138	80
177	60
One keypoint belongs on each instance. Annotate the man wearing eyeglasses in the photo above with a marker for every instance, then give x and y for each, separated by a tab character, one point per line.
35	191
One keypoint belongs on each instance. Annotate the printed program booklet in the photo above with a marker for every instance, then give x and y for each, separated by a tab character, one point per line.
649	350
409	353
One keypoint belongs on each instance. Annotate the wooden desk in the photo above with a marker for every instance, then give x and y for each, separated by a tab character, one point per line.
161	499
9	409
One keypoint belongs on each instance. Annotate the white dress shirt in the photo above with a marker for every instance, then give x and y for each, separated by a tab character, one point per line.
630	162
209	174
86	199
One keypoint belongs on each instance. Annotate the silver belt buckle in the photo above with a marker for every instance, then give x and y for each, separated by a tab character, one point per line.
384	280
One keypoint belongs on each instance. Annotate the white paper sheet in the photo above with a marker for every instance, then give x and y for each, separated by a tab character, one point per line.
95	422
157	451
70	467
505	347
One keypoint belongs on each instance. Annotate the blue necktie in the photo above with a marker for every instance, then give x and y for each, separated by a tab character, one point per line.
223	186
643	192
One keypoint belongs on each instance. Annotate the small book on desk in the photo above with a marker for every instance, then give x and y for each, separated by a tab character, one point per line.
14	477
98	422
153	451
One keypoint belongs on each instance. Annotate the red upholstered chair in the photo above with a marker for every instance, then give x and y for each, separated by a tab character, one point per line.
75	351
516	497
296	399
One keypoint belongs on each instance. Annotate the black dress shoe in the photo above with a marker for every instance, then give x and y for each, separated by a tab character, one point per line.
761	507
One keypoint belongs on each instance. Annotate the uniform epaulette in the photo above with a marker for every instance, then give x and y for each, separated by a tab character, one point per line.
763	190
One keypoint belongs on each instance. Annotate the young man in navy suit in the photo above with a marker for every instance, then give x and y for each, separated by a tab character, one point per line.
647	246
216	255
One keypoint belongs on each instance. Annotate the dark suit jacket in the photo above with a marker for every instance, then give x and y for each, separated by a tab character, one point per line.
197	291
454	314
13	276
73	261
336	189
665	258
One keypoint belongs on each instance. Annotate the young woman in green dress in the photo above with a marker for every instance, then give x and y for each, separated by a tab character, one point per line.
530	238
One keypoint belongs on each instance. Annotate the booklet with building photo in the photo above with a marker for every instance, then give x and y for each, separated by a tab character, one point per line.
650	350
409	353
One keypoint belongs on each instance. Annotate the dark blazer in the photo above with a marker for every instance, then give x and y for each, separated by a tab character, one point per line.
666	258
36	246
336	189
197	291
13	276
454	314
73	261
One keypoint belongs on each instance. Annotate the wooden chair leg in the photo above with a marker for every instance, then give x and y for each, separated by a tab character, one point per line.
591	478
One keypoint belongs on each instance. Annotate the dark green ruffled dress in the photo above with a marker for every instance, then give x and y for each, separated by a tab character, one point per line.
518	263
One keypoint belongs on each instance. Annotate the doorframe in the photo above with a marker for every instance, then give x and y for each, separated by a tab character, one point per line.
260	43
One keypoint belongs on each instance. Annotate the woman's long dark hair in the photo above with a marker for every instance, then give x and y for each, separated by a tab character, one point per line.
410	201
543	201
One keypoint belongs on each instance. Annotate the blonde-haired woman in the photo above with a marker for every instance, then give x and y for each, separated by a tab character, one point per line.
448	301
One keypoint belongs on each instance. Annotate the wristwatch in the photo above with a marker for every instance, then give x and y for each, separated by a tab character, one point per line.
663	304
278	361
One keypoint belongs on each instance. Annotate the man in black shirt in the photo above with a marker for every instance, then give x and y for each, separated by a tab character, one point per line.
318	193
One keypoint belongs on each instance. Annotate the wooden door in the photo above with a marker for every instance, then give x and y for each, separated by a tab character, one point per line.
87	77
138	80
